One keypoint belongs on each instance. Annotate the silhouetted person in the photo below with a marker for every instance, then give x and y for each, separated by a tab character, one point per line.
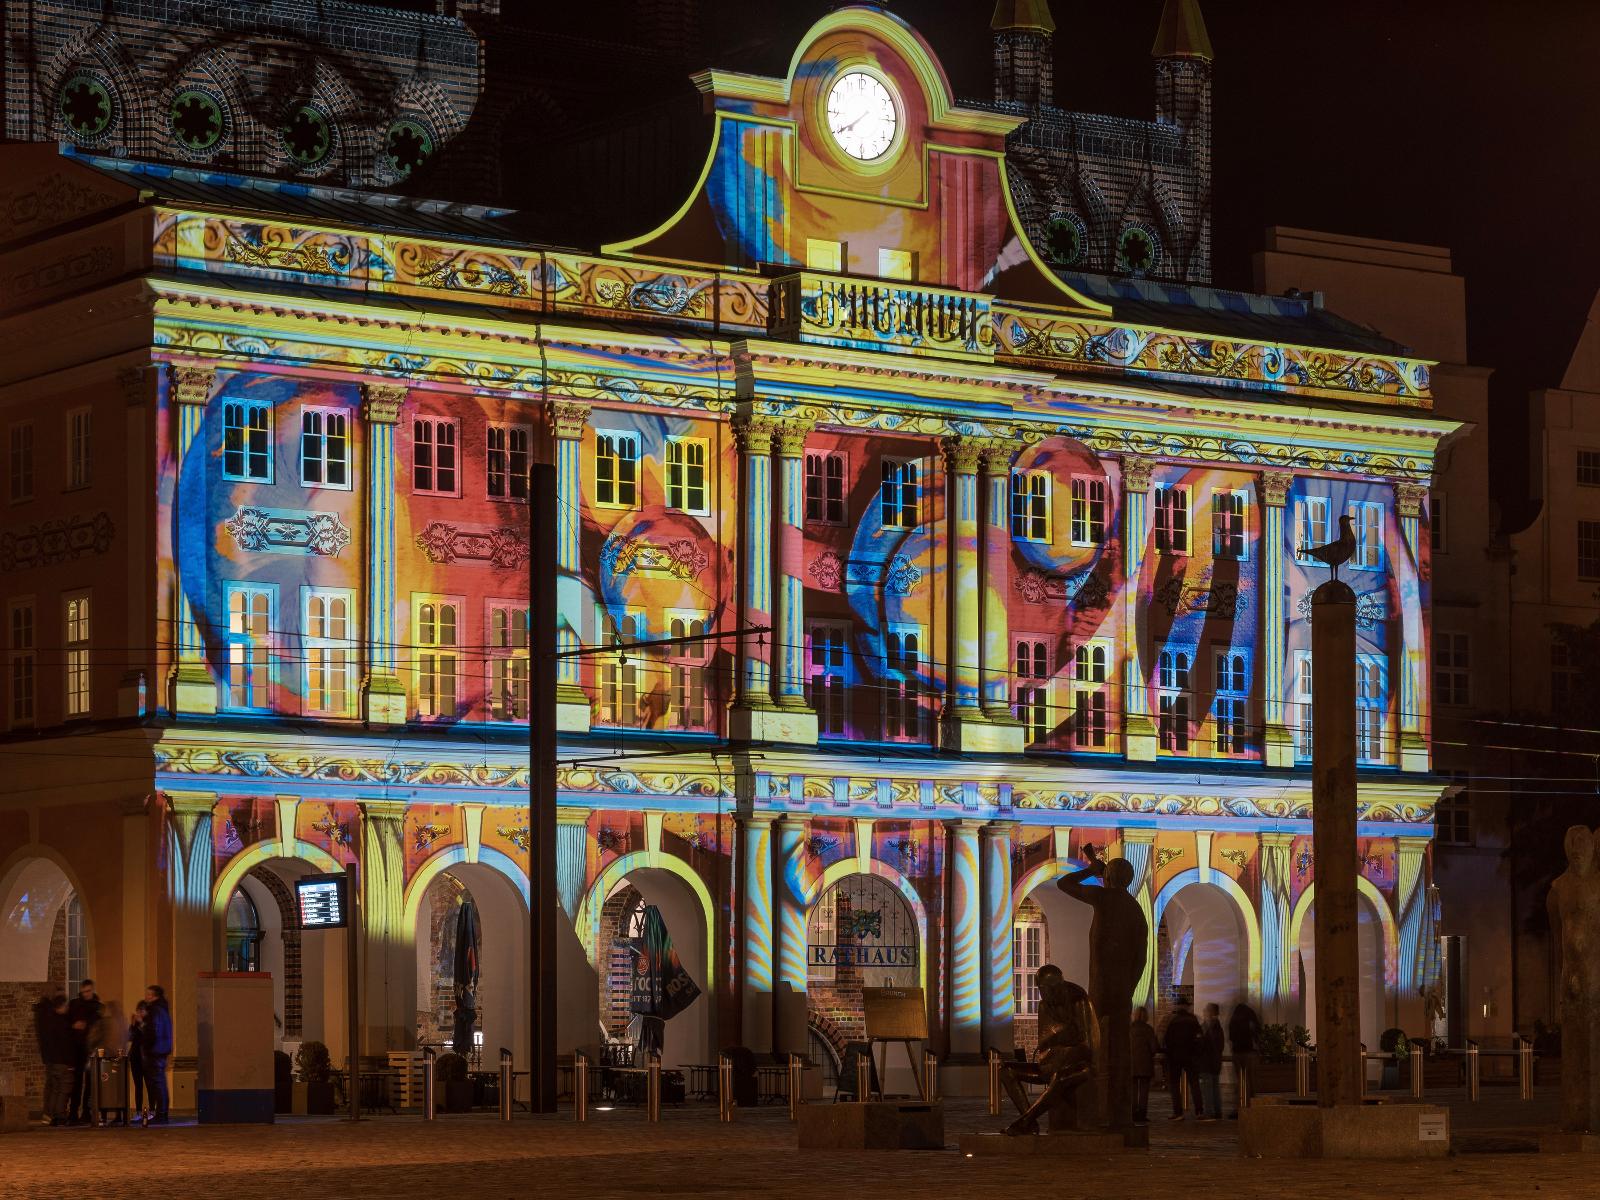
1208	1064
83	1011
56	1051
1180	1042
1244	1036
157	1049
136	1059
1143	1046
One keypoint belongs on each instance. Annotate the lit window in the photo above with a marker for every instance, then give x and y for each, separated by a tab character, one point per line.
686	474
825	488
508	662
1313	525
1302	704
896	264
1027	956
1227	524
247	441
1233	685
1589	549
21	652
616	470
619	673
1030	505
1438	527
686	665
1172	519
1589	468
902	689
22	462
249	647
438	639
1451	668
434	459
1367	517
507	461
1091	668
1088	511
1173	725
78	446
824	255
77	645
827	680
77	945
1033	690
324	448
1371	703
330	653
900	497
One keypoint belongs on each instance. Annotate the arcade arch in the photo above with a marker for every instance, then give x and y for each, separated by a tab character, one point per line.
1376	950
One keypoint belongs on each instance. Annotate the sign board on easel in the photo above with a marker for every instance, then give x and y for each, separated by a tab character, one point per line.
894	1014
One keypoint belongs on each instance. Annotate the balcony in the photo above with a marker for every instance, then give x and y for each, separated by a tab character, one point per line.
873	314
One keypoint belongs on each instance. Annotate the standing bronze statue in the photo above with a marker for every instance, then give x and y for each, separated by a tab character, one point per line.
1119	939
1574	907
1066	1056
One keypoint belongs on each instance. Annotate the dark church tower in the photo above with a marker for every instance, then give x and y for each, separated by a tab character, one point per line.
1183	56
1024	71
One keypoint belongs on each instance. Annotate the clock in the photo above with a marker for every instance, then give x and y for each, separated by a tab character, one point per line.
861	116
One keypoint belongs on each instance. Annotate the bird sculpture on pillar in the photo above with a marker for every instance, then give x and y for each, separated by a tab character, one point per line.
1337	551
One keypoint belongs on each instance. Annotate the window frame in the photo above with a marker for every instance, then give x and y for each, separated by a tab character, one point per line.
1458	809
508	474
265	659
1592	528
1438	524
618	675
825	698
1032	506
1087	528
1165	535
683	489
314	644
324	438
1307	535
1175	723
1452	680
247	430
687	666
20	441
1368	556
1379	706
900	504
904	690
609	438
825	504
431	655
1301	686
1091	697
1032	677
1579	467
1222	537
77	640
435	424
507	665
80	447
18	656
1230	731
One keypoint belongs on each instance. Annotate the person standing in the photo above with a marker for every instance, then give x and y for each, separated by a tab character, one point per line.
1143	1046
1244	1035
136	1061
1208	1064
51	1027
82	1013
1180	1042
157	1047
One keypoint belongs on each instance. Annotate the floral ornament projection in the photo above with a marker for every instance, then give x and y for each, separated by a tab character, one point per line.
1138	250
308	135
86	105
407	145
278	531
197	120
1065	238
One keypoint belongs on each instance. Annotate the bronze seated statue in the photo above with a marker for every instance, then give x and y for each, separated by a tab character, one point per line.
1066	1055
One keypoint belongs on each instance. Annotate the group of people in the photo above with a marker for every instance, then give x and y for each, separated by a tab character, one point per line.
1193	1048
76	1035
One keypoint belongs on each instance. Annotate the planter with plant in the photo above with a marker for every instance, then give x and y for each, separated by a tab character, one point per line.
313	1088
1395	1048
1277	1045
450	1078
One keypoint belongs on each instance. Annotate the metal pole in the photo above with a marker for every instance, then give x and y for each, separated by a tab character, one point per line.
1241	1084
796	1074
994	1083
1525	1067
580	1086
863	1078
1418	1072
930	1076
506	1078
542	618
652	1089
352	968
428	1106
724	1088
1472	1070
1302	1072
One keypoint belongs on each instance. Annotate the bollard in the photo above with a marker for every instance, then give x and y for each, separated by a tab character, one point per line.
994	1083
863	1078
428	1105
1302	1072
1417	1071
580	1086
1525	1067
1241	1085
506	1078
796	1082
652	1093
724	1088
930	1076
1472	1070
1361	1089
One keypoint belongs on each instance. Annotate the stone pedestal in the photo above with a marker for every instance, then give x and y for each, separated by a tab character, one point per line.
235	1079
1289	1129
876	1125
13	1104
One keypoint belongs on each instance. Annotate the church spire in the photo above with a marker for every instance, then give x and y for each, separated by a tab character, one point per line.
1023	69
1182	32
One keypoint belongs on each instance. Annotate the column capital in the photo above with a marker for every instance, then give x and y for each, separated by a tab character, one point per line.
1138	836
754	432
1136	472
382	810
1275	487
570	815
135	384
759	816
995	455
567	419
191	384
191	803
381	402
1408	498
1285	840
997	829
965	824
791	434
961	454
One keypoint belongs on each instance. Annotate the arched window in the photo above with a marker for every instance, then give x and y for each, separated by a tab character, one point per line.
244	934
77	938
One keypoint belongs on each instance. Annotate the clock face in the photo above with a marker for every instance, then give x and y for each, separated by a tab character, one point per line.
861	116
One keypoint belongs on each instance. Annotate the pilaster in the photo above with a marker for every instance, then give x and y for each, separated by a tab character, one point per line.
389	958
789	624
1273	489
383	696
1414	751
1138	847
567	420
192	689
1277	956
994	461
195	944
789	970
1138	729
963	929
999	1001
756	930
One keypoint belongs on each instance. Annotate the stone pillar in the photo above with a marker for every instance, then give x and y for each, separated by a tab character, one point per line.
389	954
1138	729
750	717
192	688
567	420
755	930
1006	732
1411	891
1333	830
963	933
196	936
572	845
789	968
1277	956
789	621
383	691
1138	847
1277	740
999	1003
1414	755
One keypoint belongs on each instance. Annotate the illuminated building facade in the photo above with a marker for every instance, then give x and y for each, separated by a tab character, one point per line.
1026	555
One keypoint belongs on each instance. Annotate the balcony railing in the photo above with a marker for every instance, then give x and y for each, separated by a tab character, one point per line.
871	314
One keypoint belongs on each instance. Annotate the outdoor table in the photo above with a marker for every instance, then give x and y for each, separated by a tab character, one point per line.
702	1080
772	1084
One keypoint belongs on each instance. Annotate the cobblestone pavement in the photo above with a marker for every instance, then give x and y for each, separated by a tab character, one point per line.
691	1154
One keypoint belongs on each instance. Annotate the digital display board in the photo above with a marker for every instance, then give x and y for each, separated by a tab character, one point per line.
321	900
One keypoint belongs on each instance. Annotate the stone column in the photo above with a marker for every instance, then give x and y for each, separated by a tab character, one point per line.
1277	741
999	1003
572	845
1277	956
1138	729
755	930
1138	847
1411	891
196	934
789	970
789	621
389	954
1414	754
963	934
751	715
995	460
193	690
567	420
383	691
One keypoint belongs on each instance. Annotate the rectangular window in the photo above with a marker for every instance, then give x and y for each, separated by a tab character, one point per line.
686	669
1172	519
434	457
508	662
507	461
619	675
1452	815
1027	952
823	255
896	264
1438	528
1233	697
901	496
327	635
902	689
247	440
686	474
324	447
1301	682
1033	690
1091	669
21	662
1030	505
1452	655
1227	524
1589	549
438	636
825	488
21	459
1589	468
249	647
1313	525
1367	517
1563	676
616	470
77	647
1371	707
78	448
827	680
1088	511
1174	715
